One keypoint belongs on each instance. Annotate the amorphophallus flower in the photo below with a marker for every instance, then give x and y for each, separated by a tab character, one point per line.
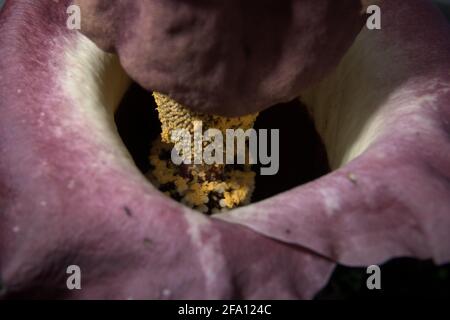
70	193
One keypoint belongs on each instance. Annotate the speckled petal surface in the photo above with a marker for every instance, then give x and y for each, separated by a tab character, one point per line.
384	115
70	193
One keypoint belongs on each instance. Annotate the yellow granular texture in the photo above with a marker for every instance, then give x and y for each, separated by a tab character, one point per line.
232	189
206	188
176	116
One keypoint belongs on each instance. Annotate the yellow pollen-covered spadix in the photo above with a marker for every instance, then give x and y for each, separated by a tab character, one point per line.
208	188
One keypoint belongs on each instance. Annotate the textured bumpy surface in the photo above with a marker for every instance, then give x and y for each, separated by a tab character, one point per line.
71	195
206	188
229	57
209	188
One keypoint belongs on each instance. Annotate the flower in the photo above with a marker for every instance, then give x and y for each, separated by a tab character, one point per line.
70	193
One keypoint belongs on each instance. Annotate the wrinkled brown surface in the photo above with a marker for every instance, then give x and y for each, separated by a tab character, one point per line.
229	57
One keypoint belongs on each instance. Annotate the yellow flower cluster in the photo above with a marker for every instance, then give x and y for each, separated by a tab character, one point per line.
206	188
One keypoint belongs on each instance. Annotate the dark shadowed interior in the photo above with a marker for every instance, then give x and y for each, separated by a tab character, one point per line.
302	155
